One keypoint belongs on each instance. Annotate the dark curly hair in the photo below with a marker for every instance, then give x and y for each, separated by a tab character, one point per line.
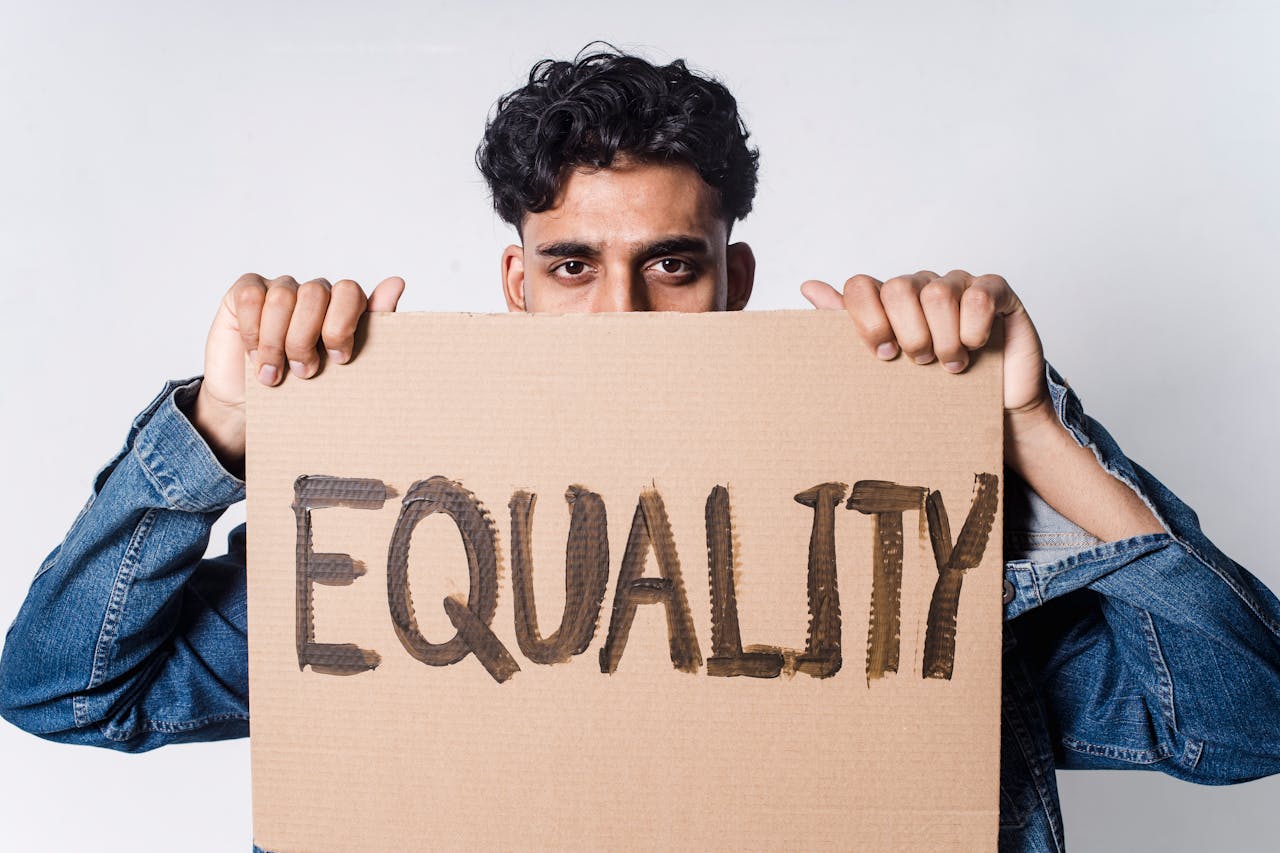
604	104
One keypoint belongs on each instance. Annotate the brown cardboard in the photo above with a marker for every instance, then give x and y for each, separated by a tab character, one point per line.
651	434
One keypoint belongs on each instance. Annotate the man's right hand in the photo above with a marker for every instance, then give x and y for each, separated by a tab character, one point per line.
276	322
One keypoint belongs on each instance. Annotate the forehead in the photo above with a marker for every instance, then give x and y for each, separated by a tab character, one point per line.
628	202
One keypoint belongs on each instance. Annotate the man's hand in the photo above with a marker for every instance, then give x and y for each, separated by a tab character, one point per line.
930	317
275	321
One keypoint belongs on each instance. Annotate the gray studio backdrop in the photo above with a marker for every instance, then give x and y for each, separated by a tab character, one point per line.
1116	162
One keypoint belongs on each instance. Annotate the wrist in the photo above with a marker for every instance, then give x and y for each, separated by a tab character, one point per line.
222	427
1033	431
1035	417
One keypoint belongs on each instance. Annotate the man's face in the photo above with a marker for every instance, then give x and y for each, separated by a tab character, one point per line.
633	237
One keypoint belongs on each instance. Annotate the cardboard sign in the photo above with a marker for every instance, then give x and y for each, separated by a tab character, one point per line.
600	582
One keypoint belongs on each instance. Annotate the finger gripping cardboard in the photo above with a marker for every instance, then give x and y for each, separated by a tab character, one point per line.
736	619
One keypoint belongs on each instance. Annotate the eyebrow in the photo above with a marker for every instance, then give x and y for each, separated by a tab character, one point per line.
662	246
565	248
671	245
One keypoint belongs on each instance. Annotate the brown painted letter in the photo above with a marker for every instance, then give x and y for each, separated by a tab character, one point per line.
650	527
318	492
885	502
727	655
471	621
940	631
821	657
586	573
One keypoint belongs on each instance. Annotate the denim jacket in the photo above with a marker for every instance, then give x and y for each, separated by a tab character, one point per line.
1156	652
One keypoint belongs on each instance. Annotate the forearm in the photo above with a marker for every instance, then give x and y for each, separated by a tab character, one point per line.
1070	479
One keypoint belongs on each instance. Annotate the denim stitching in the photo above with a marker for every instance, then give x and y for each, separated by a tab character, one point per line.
169	483
1022	601
1035	763
164	483
1107	551
1191	755
121	734
1164	681
1037	582
1133	756
111	619
1021	819
141	450
1234	587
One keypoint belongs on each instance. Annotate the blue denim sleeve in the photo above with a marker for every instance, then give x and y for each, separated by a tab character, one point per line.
127	638
1156	652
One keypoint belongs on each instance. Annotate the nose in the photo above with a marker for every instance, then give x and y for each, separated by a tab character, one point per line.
622	292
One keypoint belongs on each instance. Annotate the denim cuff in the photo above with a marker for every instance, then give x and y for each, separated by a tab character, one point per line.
177	459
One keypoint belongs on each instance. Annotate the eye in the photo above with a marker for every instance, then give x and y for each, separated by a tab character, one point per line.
675	268
570	269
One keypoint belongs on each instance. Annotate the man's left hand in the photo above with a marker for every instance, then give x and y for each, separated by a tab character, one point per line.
930	318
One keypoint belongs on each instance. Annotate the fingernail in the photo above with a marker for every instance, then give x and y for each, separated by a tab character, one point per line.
886	351
253	356
954	366
298	367
267	374
924	359
338	356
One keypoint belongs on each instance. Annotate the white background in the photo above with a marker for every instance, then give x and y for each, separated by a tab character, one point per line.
1116	162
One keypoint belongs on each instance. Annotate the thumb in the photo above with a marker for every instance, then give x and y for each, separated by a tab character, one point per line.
822	295
386	294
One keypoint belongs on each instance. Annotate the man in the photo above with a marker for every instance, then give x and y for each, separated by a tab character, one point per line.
1130	640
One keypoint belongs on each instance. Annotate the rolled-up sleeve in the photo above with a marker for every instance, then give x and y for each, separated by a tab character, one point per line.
128	638
1156	652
